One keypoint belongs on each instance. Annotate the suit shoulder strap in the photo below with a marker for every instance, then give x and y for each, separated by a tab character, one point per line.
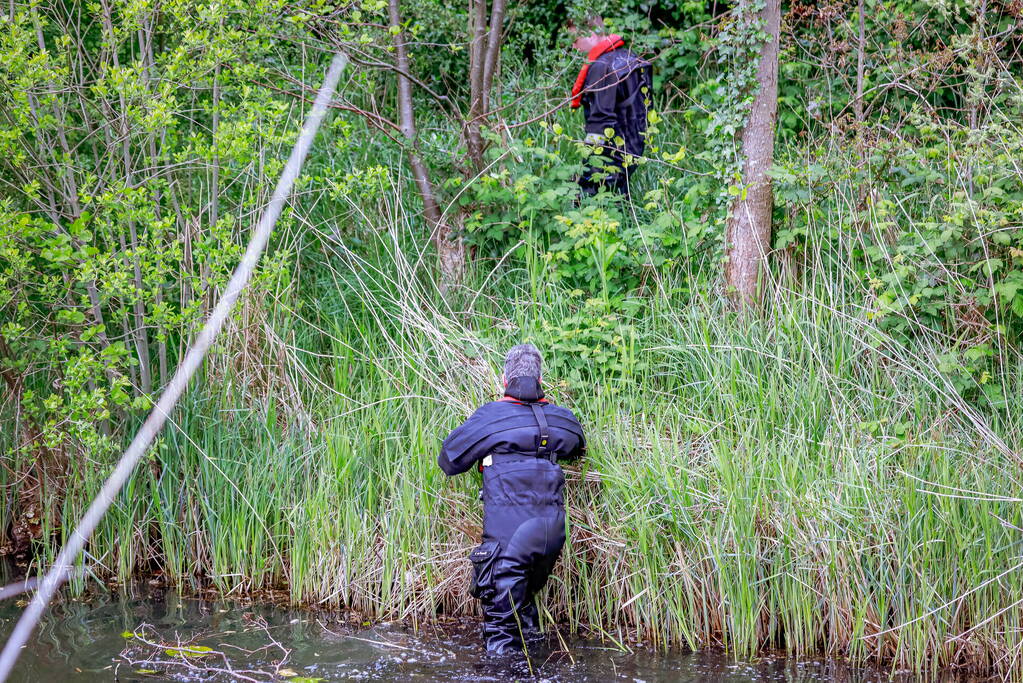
541	422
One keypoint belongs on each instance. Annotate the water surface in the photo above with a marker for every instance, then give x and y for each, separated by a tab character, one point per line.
92	641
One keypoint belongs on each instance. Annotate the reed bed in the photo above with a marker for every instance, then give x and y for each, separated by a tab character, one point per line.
796	480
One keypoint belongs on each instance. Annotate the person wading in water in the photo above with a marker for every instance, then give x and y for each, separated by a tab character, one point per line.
516	443
612	88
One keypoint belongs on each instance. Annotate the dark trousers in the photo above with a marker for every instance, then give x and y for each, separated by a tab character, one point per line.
607	170
509	570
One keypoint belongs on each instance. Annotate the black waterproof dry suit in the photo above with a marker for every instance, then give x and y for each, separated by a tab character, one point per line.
617	88
518	442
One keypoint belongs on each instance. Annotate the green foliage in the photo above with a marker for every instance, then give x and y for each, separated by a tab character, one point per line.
762	467
933	233
725	98
606	246
113	235
596	345
807	451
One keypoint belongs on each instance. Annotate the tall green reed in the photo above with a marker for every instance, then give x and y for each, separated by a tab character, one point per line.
794	480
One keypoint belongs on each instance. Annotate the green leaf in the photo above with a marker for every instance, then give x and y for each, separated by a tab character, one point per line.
992	265
189	651
71	317
1017	306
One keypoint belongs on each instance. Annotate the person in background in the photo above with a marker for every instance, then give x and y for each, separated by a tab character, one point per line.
516	442
613	88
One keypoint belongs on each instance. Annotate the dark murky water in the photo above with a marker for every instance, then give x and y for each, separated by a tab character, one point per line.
92	641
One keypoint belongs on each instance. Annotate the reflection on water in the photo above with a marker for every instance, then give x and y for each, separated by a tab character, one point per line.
84	642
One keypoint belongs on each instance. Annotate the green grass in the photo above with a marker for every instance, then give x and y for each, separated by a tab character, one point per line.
798	480
795	481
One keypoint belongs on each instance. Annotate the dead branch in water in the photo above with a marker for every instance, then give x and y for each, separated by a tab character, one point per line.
147	651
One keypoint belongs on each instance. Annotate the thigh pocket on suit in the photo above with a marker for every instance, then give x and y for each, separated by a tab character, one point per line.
483	558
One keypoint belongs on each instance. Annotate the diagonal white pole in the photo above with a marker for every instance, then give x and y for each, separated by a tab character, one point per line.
193	359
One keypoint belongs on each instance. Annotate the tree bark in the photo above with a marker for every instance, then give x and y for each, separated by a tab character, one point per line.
450	249
493	53
748	232
477	96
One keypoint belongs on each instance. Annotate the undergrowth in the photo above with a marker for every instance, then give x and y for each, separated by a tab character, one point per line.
801	479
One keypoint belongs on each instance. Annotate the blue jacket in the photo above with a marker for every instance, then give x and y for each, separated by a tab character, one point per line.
518	485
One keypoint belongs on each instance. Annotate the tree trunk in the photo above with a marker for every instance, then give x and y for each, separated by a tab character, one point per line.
493	53
748	233
477	67
450	249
